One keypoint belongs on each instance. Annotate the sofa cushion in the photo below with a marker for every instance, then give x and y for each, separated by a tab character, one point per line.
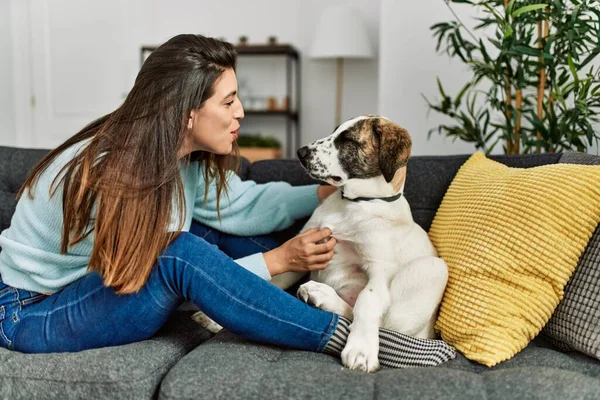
243	168
575	324
228	367
8	203
15	165
130	371
511	238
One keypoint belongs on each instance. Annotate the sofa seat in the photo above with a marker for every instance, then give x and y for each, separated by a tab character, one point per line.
130	371
181	362
228	367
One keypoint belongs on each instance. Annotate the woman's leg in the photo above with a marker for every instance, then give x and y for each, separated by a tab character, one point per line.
241	246
86	314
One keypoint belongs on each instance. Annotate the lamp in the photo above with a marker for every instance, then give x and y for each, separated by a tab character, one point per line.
341	33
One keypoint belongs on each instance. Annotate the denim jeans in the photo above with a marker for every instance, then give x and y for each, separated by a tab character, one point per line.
241	246
86	314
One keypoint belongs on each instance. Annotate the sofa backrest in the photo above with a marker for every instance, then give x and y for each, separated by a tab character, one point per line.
428	177
15	165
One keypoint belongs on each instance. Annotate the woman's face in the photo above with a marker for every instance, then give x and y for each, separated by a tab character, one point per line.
215	126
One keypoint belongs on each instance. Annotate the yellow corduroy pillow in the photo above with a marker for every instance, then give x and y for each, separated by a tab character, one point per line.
511	238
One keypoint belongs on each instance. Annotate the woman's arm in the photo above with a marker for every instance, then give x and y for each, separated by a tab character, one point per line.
249	208
262	202
324	191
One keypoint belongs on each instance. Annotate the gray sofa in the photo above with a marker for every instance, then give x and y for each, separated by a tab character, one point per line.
183	361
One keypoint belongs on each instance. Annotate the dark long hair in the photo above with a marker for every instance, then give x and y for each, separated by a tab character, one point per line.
130	171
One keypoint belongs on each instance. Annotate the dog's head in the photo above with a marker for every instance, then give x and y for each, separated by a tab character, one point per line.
360	148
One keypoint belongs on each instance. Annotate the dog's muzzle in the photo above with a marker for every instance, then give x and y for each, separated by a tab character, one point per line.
311	165
304	155
315	168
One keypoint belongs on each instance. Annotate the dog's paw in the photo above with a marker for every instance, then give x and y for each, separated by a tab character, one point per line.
205	322
361	352
319	295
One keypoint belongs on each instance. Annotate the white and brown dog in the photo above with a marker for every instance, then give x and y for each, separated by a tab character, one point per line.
385	271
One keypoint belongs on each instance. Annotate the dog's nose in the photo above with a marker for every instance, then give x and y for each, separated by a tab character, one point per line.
303	152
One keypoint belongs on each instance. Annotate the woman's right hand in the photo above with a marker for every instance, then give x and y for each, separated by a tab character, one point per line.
302	253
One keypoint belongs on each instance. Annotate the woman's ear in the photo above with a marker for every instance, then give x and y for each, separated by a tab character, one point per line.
190	121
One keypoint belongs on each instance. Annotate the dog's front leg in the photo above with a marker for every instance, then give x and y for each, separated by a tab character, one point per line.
362	346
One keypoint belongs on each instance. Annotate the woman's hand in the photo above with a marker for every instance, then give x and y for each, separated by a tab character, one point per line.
302	253
324	191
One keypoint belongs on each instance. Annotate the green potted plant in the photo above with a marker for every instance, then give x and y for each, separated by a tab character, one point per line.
533	86
256	147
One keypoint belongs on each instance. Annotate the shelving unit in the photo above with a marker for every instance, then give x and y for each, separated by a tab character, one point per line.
292	66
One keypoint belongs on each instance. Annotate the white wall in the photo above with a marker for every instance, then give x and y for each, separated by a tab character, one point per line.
292	21
7	111
391	84
408	67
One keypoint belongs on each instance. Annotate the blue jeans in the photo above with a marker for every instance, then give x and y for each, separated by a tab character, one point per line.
241	246
86	314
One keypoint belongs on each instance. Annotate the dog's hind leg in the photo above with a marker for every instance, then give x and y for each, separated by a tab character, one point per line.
416	294
325	298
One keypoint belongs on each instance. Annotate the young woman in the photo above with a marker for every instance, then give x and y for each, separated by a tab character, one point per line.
99	251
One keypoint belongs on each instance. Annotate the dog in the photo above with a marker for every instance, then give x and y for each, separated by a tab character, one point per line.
385	271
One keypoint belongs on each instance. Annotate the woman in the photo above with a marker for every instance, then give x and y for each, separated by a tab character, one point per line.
99	254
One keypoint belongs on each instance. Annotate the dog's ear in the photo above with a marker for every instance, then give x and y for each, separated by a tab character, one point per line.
394	147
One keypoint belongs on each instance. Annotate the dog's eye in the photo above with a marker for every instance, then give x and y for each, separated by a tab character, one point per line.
336	178
346	138
349	138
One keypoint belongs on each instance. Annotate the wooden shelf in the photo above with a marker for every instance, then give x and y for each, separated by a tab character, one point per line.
289	114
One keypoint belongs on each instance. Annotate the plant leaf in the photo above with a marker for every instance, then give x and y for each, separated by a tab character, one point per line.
461	94
528	8
530	51
511	4
441	88
572	68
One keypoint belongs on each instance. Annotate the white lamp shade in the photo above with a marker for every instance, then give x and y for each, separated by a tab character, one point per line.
341	33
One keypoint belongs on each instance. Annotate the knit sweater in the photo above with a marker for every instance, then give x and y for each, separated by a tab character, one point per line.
31	257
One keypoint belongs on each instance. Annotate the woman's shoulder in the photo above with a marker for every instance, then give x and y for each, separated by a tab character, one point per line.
62	159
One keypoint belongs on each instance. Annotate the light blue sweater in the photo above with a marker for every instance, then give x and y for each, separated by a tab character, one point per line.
31	259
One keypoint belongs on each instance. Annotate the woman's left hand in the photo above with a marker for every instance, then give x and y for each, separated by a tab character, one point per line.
324	191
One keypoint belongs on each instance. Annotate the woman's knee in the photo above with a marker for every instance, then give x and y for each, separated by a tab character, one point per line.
189	250
186	242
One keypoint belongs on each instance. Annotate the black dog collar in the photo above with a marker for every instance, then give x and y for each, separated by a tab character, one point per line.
388	199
